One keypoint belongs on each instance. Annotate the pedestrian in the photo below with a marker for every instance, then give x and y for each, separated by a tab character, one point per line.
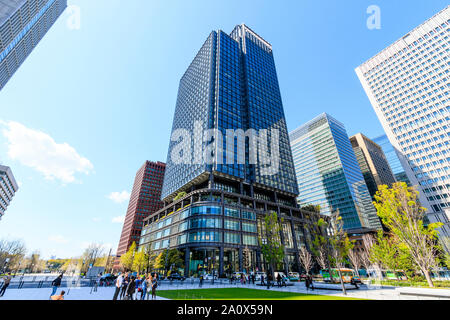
311	282
59	296
125	282
253	278
201	281
144	287
97	280
149	285
119	281
279	280
154	286
138	286
131	288
262	280
56	284
7	281
307	282
353	282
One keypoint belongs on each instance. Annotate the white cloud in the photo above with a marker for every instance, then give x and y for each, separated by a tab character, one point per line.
119	197
119	219
58	239
38	150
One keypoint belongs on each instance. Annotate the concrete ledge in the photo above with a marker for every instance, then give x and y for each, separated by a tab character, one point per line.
424	292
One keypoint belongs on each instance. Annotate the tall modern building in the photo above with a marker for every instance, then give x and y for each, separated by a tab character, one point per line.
216	192
23	23
144	200
408	86
392	158
328	173
372	162
8	188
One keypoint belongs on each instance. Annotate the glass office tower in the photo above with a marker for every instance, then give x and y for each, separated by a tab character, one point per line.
328	173
23	23
408	86
214	210
231	84
373	163
8	188
392	158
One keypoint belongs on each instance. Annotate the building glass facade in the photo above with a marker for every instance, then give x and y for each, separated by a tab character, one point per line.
8	188
231	84
392	158
372	162
329	175
408	87
23	23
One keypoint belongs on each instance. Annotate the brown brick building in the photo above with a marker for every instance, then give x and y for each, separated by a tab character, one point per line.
144	200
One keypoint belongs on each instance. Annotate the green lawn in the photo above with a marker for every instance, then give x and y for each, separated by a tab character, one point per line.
240	294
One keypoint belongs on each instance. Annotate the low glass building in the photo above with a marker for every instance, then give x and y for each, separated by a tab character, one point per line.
218	230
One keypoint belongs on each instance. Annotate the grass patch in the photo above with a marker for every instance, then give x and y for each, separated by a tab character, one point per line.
414	284
241	294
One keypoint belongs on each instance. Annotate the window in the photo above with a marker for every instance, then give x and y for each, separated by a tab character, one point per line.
234	238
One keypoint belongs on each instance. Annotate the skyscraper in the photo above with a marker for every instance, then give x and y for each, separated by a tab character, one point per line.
392	158
328	173
144	200
8	188
372	162
407	85
23	23
217	191
231	84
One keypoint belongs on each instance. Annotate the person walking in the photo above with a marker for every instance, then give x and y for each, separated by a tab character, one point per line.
149	285
7	281
154	286
125	282
119	281
201	281
56	284
307	282
262	281
144	287
311	284
97	280
59	296
131	288
279	280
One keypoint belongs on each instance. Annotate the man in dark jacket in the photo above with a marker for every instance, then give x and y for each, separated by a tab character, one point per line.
56	284
131	288
6	283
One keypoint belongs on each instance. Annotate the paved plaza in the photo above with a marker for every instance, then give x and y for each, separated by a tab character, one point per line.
365	292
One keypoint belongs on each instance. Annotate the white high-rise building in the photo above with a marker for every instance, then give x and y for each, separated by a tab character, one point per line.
408	86
8	188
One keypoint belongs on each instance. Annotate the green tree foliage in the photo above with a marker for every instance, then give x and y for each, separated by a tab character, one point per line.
180	195
139	262
127	259
271	247
390	254
400	211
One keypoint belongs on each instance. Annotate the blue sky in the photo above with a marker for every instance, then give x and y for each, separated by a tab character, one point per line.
90	105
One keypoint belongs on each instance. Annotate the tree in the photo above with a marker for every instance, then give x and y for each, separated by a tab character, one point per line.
139	261
271	247
401	213
14	250
127	259
306	259
319	244
180	195
90	256
355	259
388	252
364	254
340	244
